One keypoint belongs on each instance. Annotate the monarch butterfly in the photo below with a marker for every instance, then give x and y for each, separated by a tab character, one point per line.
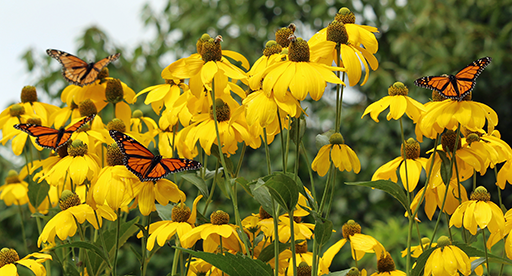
458	86
144	164
51	138
77	71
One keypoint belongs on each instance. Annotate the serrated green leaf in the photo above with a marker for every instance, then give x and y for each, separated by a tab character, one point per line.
283	190
234	265
387	186
198	182
267	253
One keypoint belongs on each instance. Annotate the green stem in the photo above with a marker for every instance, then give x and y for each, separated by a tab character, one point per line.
453	158
214	184
310	172
275	218
283	145
267	151
23	227
314	267
144	265
326	189
118	227
292	242
240	160
177	254
331	194
297	149
485	250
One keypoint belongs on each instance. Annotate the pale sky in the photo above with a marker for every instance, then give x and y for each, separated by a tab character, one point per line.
58	24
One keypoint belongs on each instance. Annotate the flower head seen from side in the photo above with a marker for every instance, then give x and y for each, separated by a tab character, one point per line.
337	153
182	221
418	249
386	266
478	212
218	232
356	43
398	102
409	164
298	74
9	258
64	223
14	190
447	259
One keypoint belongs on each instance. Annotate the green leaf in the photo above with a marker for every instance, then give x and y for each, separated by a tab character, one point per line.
164	212
261	194
387	186
446	172
474	252
85	245
323	230
283	190
340	273
37	192
198	182
268	252
244	184
421	261
234	265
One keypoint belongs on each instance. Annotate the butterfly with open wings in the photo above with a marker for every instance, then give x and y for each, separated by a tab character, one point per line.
51	138
144	164
77	71
455	86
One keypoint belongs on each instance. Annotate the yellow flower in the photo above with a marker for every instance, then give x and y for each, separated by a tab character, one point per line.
398	103
64	223
343	157
480	212
182	221
434	197
29	101
386	266
14	190
163	94
78	166
299	75
232	127
218	232
447	259
450	113
9	259
505	175
162	191
410	167
418	249
357	45
16	114
114	184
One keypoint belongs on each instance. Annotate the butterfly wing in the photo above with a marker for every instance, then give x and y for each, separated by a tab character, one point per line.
52	138
441	84
66	134
174	165
96	68
77	71
45	136
466	78
137	158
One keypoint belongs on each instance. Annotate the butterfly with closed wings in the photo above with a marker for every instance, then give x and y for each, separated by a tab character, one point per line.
51	138
455	86
77	71
144	164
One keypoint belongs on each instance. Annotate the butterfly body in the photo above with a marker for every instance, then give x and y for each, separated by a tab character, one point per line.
146	165
455	86
51	138
77	71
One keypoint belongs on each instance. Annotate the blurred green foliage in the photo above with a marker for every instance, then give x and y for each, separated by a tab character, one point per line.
416	38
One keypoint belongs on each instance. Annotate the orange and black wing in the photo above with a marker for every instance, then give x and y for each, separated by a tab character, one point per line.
137	158
455	86
144	164
173	165
52	138
441	84
466	78
46	137
77	71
